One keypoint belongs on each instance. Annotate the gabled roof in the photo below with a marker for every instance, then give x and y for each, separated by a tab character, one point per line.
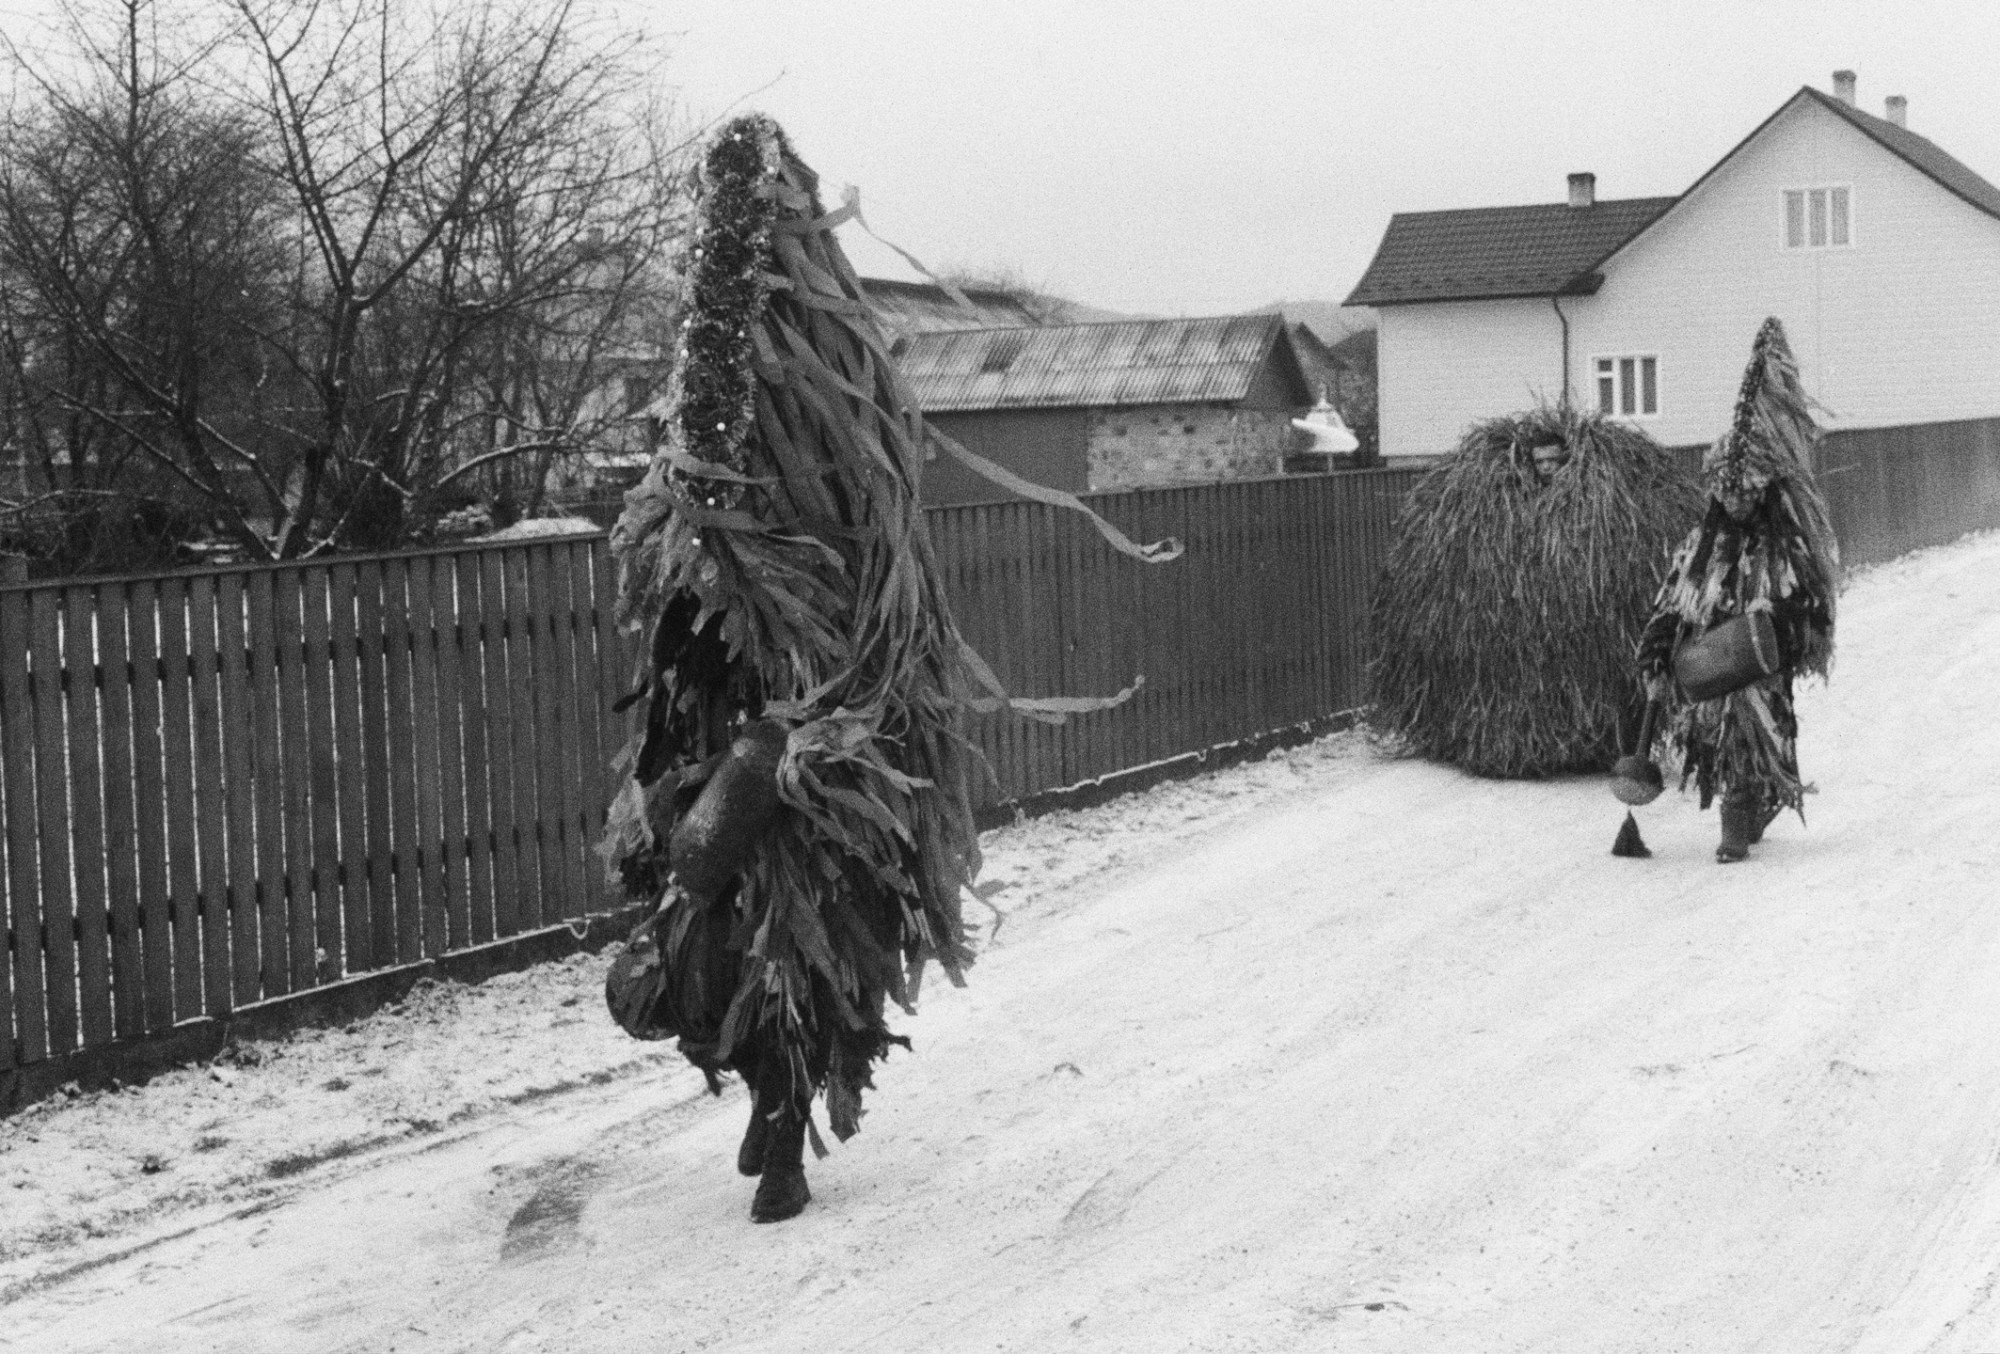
1489	253
1921	154
1205	361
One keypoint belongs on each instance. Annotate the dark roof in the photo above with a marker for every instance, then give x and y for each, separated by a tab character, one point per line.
1486	253
1951	175
1205	361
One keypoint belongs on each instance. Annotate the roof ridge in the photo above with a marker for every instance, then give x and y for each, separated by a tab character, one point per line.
1543	206
1979	193
1100	324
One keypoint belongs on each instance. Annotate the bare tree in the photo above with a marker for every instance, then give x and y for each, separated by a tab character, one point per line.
130	225
480	212
324	266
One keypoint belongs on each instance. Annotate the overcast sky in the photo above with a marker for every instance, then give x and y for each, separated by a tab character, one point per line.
1172	157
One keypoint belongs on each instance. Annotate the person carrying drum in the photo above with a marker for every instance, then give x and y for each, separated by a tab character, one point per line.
1747	604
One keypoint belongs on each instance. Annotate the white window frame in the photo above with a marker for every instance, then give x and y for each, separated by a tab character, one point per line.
1614	366
1805	192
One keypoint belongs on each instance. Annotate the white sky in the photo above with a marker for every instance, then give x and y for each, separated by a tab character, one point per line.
1188	158
1174	157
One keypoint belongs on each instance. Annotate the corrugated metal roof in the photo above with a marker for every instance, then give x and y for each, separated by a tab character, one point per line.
906	306
1485	253
1206	361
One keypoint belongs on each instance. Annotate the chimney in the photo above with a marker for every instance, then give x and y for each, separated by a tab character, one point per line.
1843	87
1898	109
1582	190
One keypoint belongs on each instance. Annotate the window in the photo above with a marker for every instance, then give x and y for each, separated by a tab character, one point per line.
1819	218
1628	387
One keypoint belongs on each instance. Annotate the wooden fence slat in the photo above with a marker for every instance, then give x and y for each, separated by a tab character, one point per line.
427	773
149	800
211	797
329	952
570	724
534	883
546	810
407	888
177	756
57	941
503	758
30	1042
128	971
239	734
347	638
87	845
295	780
264	647
456	609
370	627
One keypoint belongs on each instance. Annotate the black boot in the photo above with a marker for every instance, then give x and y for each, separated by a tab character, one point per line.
782	1192
1761	817
750	1156
1739	820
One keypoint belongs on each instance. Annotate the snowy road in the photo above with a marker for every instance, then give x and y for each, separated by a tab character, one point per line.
1409	1063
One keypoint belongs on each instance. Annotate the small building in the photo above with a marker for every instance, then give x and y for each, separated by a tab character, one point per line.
1878	251
916	307
1123	405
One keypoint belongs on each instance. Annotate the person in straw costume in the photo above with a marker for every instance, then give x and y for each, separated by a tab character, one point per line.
1765	544
1517	583
798	798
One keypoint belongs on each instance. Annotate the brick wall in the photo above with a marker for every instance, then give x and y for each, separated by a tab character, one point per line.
1167	444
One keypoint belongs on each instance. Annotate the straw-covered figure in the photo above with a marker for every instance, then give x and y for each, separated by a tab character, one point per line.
1515	588
797	801
1748	603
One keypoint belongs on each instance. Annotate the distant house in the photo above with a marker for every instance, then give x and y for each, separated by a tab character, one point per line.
1109	406
1878	251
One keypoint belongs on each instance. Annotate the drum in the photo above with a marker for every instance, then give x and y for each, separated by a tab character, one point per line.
1728	657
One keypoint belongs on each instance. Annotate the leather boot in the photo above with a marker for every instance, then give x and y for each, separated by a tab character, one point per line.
750	1156
1739	817
782	1192
1761	817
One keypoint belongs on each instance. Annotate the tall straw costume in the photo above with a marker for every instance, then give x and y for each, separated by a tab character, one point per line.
1765	544
1516	585
798	799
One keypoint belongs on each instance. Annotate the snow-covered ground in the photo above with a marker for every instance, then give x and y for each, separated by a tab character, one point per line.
1331	1051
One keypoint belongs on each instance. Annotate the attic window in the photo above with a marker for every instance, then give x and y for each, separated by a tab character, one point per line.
1628	387
1819	218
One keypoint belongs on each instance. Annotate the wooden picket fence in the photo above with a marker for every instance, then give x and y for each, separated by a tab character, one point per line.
234	786
1259	625
1894	490
227	787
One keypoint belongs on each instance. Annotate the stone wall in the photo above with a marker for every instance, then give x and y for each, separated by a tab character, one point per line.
1163	444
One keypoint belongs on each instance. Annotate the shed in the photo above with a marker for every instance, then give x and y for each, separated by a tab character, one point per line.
1122	405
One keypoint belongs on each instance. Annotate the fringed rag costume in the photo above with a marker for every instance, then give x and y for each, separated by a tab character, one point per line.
798	801
1765	544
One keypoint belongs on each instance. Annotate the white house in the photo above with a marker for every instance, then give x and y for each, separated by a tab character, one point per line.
1880	252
